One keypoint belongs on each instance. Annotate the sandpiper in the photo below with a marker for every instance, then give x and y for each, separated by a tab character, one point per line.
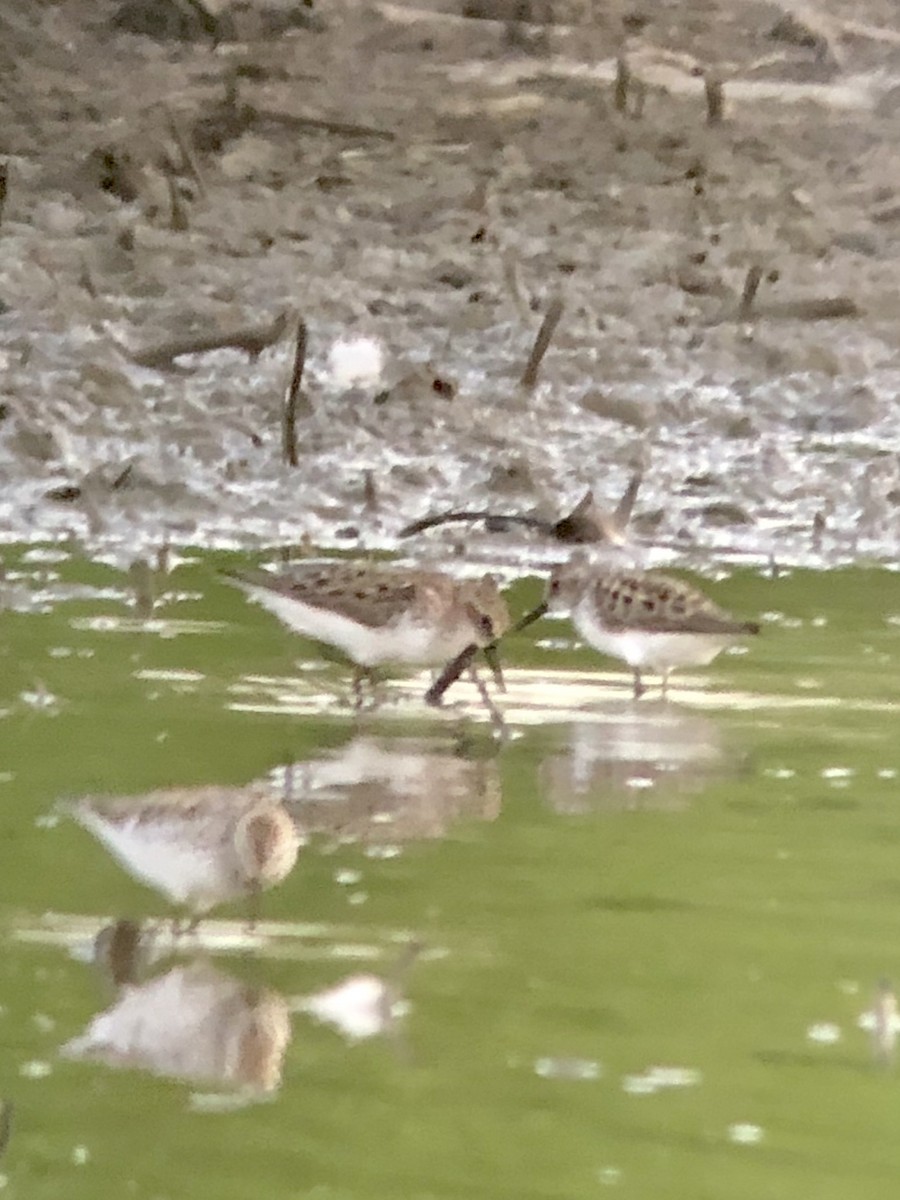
198	846
377	614
649	619
195	1023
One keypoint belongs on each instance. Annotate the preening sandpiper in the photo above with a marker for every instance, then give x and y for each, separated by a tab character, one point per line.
652	621
378	614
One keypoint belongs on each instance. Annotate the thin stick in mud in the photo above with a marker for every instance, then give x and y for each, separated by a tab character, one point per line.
292	399
748	295
494	522
178	218
715	99
542	342
812	308
251	340
188	158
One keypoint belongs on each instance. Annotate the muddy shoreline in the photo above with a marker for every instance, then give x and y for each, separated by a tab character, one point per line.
432	183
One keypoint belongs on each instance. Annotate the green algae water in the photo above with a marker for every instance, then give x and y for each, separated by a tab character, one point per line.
648	937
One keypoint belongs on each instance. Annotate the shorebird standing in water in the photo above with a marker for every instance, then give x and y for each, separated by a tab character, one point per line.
650	620
378	615
198	846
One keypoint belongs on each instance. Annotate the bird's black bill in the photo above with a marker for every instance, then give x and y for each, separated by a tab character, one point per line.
529	618
455	668
450	674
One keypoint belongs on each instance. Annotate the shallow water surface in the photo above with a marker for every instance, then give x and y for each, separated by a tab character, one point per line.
629	949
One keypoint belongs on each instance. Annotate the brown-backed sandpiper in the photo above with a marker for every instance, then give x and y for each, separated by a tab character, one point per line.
650	620
380	614
198	846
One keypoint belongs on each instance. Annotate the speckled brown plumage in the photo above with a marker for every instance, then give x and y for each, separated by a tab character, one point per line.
371	596
375	596
376	614
650	620
660	604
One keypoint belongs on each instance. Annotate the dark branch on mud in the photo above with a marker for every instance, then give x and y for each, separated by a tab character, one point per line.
748	295
585	524
715	99
292	399
252	340
542	342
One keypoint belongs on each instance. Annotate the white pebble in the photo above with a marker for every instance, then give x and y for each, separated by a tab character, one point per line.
35	1069
825	1033
745	1134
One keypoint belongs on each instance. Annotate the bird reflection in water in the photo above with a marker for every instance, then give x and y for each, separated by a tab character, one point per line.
364	1006
377	790
198	846
647	757
196	1024
6	1120
207	845
121	951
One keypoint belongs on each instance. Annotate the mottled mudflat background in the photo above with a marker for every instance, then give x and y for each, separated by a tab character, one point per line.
433	181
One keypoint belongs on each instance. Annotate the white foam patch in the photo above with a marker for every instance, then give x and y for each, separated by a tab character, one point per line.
355	362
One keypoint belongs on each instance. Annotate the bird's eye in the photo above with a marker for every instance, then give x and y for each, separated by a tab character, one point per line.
486	625
554	587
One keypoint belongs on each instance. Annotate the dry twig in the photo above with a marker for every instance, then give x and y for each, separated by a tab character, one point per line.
542	342
188	158
715	98
748	295
586	523
620	87
341	128
252	340
370	492
821	308
802	308
178	219
292	399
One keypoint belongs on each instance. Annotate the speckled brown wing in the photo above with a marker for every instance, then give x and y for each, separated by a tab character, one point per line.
660	604
371	596
182	804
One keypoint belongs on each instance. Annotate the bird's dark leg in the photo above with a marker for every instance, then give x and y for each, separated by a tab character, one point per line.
359	673
449	675
253	908
494	712
639	688
375	696
185	926
368	676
